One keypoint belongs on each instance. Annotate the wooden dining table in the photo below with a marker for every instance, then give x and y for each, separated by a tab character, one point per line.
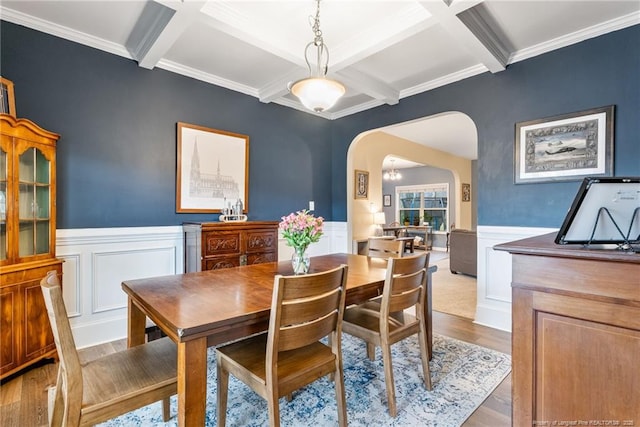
203	309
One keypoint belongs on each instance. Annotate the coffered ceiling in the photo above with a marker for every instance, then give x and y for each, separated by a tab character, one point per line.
381	50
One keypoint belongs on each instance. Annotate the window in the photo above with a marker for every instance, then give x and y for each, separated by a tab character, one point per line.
420	204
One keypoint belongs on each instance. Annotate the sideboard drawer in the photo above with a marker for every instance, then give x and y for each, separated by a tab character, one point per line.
219	243
262	240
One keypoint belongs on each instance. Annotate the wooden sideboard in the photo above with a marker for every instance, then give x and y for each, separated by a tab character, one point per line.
214	245
576	334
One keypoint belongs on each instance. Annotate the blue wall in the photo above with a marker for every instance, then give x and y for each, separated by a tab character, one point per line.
117	121
117	153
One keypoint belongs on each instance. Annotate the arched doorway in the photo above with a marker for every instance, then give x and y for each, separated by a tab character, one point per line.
368	150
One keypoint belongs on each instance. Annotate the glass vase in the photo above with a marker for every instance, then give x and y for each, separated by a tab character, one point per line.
300	261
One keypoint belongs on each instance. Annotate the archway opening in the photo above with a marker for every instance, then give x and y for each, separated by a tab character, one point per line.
447	140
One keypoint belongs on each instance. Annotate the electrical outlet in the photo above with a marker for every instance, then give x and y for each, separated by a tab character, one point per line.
312	205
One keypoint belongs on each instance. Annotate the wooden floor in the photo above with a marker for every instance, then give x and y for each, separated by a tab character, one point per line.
23	399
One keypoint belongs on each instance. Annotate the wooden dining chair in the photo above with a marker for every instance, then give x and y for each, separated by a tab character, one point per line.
383	322
385	248
289	355
89	393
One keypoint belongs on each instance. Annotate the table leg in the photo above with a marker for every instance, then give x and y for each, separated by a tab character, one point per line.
192	382
428	313
136	321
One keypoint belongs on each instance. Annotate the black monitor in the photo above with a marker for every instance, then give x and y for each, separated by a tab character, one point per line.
606	211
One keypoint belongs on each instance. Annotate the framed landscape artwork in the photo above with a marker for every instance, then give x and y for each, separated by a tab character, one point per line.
212	170
361	190
566	147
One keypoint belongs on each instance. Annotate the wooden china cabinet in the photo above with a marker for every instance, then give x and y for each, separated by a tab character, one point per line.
27	241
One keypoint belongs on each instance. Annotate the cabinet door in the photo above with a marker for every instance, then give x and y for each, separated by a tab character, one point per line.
9	318
37	334
34	203
593	363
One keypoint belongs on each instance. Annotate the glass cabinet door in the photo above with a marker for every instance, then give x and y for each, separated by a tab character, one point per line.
3	204
34	201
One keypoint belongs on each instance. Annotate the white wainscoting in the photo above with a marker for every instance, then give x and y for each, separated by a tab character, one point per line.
98	260
494	273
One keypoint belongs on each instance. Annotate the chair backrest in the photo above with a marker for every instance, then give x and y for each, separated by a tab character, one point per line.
305	309
70	370
385	248
404	286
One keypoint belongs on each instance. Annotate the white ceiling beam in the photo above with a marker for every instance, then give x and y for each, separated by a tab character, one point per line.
480	40
368	85
162	25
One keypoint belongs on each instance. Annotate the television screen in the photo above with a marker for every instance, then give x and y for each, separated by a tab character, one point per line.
605	211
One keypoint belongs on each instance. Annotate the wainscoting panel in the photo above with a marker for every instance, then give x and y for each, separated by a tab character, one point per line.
71	291
494	273
96	263
110	269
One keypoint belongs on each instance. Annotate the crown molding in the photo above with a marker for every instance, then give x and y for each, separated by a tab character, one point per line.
576	37
174	67
66	33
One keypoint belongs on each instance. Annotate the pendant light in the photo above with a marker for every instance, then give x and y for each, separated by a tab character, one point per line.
317	92
392	174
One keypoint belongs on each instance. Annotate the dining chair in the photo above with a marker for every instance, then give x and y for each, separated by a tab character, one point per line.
290	355
89	393
383	322
385	248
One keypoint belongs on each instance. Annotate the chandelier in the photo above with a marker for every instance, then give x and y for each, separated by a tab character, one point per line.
317	92
392	174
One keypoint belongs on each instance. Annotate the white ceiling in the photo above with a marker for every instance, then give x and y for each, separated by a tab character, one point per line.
382	50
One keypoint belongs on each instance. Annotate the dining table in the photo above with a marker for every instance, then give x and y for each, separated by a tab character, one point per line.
202	309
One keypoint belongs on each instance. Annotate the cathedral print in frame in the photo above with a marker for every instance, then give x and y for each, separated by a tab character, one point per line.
212	170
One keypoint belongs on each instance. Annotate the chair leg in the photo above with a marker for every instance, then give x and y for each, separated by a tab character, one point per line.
223	389
56	401
388	378
274	408
340	396
166	409
371	351
424	355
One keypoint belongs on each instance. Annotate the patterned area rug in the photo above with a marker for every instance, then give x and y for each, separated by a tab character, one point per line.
463	375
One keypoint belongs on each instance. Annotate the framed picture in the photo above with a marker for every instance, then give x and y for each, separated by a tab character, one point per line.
212	170
466	192
386	200
7	98
361	190
567	147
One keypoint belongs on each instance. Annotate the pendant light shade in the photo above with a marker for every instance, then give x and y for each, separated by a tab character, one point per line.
317	92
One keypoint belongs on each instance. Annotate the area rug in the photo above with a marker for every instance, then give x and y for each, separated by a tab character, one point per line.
463	375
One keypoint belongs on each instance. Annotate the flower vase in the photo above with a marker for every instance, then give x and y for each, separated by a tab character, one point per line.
300	261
